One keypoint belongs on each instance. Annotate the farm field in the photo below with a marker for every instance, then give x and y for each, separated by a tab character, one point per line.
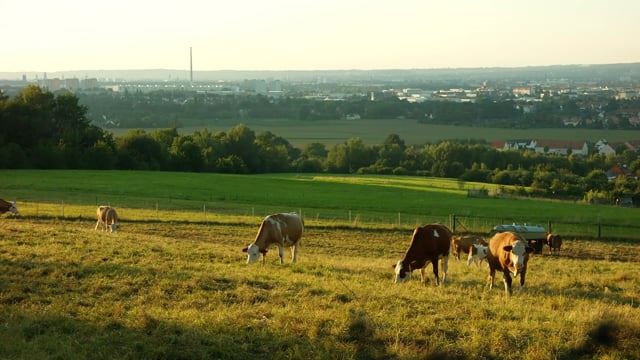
163	289
343	199
331	132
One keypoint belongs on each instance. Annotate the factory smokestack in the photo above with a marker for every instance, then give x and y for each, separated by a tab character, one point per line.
190	64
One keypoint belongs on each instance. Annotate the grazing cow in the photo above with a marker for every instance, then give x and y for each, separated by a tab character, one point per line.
463	244
108	217
509	253
6	206
283	229
477	253
555	242
428	243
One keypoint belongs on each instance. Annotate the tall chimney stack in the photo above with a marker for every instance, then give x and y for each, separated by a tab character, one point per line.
190	64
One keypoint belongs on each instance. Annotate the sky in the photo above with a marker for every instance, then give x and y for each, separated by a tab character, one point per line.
64	35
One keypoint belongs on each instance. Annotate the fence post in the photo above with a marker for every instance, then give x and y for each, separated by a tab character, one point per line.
549	226
157	211
599	229
398	219
204	210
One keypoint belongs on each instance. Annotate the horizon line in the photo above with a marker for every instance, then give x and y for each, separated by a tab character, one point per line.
328	70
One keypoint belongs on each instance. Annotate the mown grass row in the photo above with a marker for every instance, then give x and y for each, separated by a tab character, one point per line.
182	290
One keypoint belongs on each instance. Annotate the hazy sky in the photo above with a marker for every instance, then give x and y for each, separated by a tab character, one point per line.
329	34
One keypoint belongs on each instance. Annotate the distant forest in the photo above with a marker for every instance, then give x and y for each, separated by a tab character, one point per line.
161	109
45	131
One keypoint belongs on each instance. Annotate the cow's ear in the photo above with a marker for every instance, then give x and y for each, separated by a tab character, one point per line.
245	249
507	248
529	249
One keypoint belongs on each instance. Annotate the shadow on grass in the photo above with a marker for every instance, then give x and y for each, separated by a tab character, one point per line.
53	336
606	337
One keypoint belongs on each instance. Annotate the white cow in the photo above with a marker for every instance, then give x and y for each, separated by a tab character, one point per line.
283	229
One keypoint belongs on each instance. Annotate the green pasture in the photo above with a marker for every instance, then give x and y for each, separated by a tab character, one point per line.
375	131
347	200
173	290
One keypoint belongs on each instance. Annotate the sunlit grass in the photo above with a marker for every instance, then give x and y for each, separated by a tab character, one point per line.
171	289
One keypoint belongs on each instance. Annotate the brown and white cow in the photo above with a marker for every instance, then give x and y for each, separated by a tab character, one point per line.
464	243
554	241
428	243
108	217
6	206
284	229
509	253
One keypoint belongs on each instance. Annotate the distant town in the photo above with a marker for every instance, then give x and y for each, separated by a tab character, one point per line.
597	96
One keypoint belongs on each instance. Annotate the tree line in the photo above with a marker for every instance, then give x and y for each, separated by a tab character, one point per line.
45	131
163	108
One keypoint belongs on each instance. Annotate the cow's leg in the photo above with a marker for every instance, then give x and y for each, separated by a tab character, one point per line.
470	258
522	276
507	283
281	253
97	224
294	253
445	267
423	270
492	277
434	263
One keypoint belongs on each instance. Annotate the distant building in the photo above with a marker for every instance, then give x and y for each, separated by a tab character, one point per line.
522	91
560	147
90	83
557	147
603	148
619	171
72	84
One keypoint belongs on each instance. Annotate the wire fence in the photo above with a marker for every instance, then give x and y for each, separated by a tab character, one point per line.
185	210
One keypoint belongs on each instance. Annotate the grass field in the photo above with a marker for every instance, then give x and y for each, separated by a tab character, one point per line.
171	290
375	131
365	200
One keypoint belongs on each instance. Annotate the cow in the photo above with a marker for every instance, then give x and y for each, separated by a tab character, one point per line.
509	253
554	241
284	229
463	244
108	217
428	243
6	206
477	253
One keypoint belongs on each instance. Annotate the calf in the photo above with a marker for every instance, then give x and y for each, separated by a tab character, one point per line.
463	244
280	229
477	253
554	241
509	253
6	206
108	217
428	243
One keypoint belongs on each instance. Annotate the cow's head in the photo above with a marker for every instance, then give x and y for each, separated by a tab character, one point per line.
518	252
477	253
14	209
253	253
114	227
402	272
